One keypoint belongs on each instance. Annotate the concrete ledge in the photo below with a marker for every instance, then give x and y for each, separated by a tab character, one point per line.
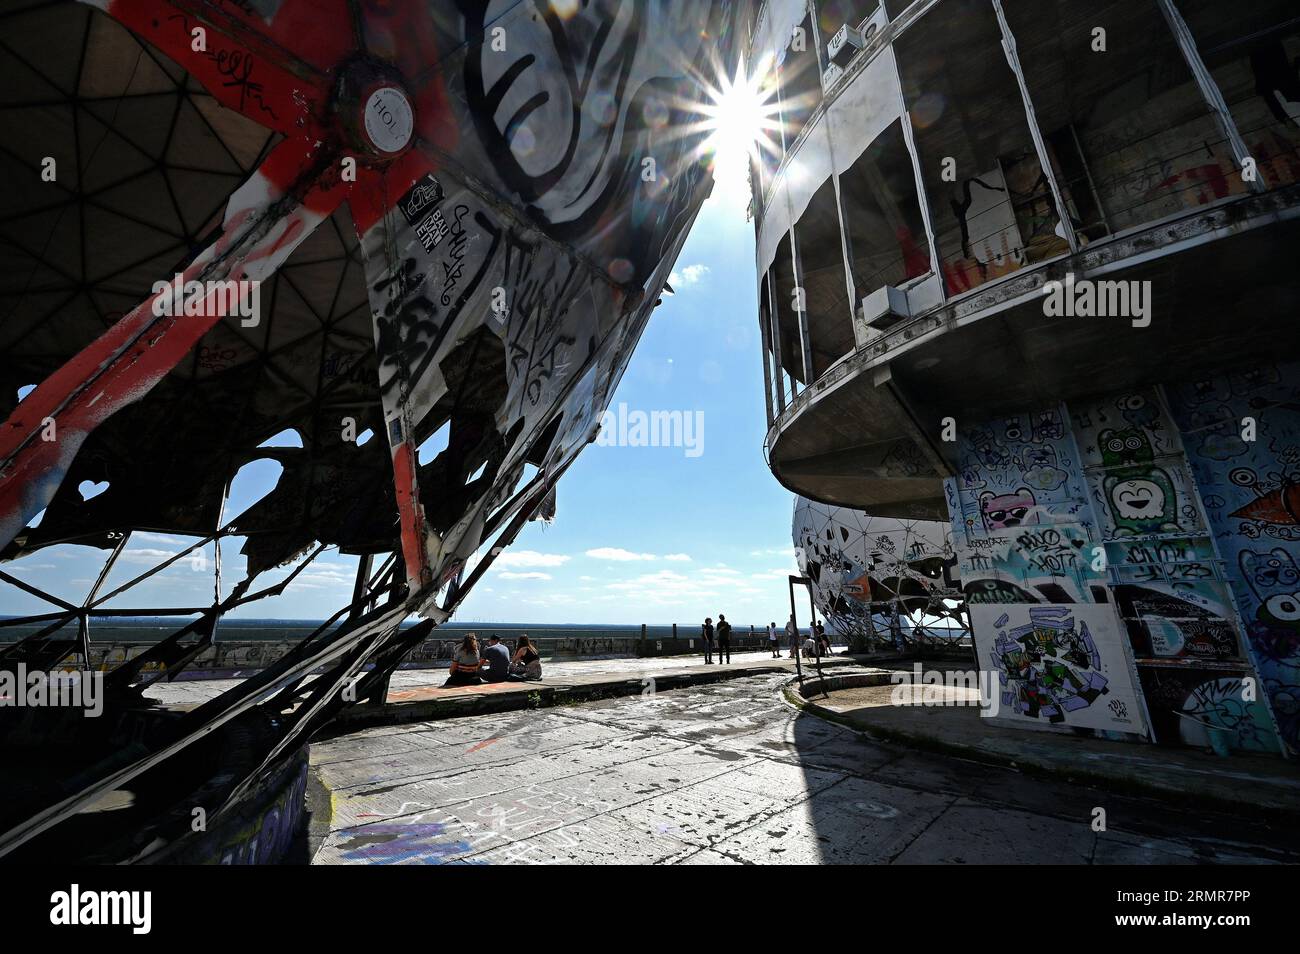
432	703
1262	787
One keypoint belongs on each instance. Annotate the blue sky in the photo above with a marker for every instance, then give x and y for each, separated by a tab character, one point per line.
642	534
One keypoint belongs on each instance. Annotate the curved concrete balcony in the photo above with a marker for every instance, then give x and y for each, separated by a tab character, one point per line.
1224	292
941	167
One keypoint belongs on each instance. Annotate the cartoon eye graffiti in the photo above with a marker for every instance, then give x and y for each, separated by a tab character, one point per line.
1133	402
1132	443
1243	477
1285	607
1115	444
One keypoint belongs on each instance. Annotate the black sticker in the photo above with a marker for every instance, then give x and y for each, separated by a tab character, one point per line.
420	199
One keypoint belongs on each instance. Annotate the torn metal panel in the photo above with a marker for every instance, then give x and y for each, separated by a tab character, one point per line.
437	245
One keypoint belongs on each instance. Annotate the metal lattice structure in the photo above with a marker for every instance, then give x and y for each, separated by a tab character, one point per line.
446	208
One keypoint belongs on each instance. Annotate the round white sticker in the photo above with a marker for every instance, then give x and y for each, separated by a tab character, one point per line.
389	119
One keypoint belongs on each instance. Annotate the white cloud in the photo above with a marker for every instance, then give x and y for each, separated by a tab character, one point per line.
168	538
690	275
530	558
773	551
678	557
618	553
148	555
670	588
508	575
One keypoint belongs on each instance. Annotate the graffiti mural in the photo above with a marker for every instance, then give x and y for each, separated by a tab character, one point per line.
1251	492
1058	665
1020	515
1185	704
1167	580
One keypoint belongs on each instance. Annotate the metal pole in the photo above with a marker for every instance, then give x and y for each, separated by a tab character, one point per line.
1209	89
817	643
794	621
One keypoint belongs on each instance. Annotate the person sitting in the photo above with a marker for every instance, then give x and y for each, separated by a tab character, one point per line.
496	660
809	647
465	663
527	662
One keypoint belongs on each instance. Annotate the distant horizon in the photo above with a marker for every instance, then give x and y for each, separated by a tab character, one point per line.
316	622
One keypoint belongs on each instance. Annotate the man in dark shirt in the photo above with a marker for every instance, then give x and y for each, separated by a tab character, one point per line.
706	634
496	659
724	639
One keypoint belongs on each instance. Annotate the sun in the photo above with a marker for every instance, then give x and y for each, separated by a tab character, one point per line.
741	120
739	114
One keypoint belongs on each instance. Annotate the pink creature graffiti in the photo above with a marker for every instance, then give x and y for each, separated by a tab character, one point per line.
1002	511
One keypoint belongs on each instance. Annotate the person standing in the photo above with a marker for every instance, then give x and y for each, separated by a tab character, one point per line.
706	633
792	636
773	640
724	640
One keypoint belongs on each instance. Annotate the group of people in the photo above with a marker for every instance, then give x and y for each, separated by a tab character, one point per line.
469	667
816	643
723	634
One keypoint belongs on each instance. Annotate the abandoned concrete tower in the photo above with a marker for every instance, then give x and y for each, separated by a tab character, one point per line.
1028	265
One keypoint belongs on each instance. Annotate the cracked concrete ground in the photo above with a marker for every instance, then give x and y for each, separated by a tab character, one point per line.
727	773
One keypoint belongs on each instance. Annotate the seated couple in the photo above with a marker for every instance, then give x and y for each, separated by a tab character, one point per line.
496	664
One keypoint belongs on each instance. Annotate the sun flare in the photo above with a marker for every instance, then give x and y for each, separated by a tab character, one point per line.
741	118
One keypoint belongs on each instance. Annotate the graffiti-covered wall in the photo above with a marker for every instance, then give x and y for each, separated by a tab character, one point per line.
1251	493
1028	554
1178	523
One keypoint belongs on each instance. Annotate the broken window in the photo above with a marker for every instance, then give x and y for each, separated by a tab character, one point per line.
833	14
886	235
800	79
826	294
990	204
768	146
788	302
1254	58
1129	133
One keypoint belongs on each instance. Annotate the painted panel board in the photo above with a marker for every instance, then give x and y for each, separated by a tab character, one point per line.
1058	664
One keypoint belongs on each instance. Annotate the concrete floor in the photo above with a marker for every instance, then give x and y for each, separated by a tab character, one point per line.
191	692
726	773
